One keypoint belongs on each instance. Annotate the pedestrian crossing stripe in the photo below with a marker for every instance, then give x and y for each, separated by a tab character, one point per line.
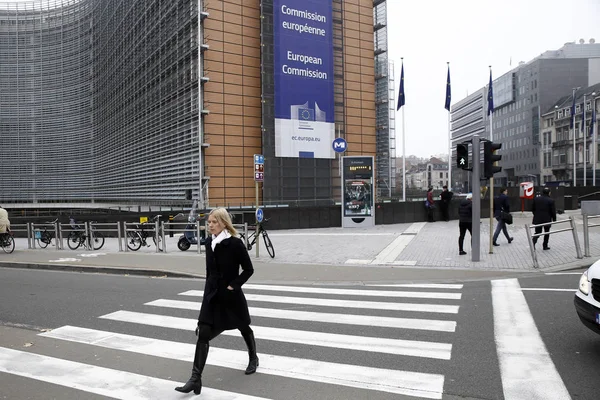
355	292
418	285
408	383
93	379
331	318
432	308
414	348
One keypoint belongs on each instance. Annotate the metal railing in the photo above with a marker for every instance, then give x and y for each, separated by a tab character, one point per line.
530	236
157	228
197	229
34	234
586	234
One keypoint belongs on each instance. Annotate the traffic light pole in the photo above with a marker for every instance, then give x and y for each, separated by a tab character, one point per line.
476	191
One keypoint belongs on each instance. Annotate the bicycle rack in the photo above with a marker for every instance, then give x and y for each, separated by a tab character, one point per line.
32	234
198	228
19	228
244	227
134	227
93	226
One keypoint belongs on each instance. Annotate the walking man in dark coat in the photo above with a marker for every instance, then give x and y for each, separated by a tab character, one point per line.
544	211
501	205
446	197
224	305
465	221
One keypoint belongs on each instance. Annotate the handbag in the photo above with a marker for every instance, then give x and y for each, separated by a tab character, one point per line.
507	218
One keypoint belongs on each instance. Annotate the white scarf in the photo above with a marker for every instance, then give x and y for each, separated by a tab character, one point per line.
218	239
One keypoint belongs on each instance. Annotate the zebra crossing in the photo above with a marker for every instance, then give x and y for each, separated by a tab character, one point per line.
348	321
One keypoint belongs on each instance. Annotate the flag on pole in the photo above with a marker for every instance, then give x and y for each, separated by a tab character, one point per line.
448	91
490	96
401	97
573	110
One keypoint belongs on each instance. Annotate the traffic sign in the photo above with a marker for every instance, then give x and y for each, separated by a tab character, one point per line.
339	145
259	215
259	168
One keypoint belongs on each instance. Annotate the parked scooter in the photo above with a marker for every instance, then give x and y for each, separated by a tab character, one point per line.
189	236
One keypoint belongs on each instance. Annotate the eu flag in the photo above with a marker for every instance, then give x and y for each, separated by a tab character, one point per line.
401	97
448	92
573	110
490	96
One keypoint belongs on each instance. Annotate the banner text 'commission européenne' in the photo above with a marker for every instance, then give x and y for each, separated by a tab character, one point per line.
285	10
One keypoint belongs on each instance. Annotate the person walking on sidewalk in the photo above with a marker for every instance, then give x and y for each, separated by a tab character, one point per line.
544	211
465	221
430	204
501	205
445	198
224	305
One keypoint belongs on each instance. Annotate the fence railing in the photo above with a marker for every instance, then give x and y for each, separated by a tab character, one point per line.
586	232
531	236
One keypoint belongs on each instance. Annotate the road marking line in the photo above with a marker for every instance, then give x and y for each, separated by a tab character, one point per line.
440	351
408	383
563	273
374	305
333	234
343	319
527	371
357	261
354	292
99	380
550	290
393	250
421	285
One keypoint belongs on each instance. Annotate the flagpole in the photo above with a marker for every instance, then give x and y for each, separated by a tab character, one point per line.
403	159
574	140
491	93
449	133
594	137
584	144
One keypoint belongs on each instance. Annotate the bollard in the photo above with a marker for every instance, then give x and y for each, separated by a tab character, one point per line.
246	234
56	227
126	237
157	236
198	236
163	238
119	236
29	235
170	227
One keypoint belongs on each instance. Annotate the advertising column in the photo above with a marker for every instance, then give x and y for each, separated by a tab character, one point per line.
303	78
358	197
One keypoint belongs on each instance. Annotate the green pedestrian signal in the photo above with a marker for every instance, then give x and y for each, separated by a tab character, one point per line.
462	155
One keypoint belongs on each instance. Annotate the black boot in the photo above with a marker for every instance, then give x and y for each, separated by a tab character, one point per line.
253	358
195	381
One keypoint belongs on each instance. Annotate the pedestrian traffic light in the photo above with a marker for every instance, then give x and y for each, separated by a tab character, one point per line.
462	155
490	158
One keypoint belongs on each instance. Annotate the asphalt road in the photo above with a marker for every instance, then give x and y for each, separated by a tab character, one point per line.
458	357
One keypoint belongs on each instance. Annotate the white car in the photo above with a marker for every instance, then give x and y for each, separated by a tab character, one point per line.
587	297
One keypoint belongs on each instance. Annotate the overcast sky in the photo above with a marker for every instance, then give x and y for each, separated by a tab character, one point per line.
471	35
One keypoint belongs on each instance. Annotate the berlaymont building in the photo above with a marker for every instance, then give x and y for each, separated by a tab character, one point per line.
159	101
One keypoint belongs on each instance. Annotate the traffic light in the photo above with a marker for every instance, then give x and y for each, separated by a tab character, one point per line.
490	158
462	155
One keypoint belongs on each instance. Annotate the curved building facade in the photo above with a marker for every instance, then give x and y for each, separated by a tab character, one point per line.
150	101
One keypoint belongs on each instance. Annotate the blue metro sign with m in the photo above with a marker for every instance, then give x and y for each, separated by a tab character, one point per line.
339	145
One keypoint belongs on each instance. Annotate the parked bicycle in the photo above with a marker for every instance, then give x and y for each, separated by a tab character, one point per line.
7	242
44	238
265	235
78	237
137	238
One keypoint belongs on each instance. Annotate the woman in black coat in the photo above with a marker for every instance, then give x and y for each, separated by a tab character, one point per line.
224	305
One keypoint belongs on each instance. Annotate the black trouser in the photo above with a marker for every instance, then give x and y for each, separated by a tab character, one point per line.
464	227
444	209
538	229
429	214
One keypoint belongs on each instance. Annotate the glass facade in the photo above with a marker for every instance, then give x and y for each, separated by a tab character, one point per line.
99	100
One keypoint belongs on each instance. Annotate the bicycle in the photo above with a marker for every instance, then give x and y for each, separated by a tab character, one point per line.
137	238
44	238
265	235
7	242
78	237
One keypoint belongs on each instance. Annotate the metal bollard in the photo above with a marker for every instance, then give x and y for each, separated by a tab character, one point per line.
156	236
60	234
162	232
126	236
246	234
56	227
575	238
29	235
119	236
198	237
586	236
88	234
531	248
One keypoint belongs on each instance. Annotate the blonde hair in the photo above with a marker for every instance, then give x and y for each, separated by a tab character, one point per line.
224	218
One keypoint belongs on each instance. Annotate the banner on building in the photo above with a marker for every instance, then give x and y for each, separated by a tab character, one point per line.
303	78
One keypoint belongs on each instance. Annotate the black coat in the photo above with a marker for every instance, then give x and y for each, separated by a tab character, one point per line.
465	211
501	203
222	308
543	210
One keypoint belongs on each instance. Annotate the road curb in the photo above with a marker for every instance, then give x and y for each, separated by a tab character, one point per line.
99	269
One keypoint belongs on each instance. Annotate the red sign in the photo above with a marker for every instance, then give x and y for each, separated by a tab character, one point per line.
526	190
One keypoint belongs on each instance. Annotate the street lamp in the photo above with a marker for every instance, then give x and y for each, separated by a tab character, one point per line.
583	126
574	140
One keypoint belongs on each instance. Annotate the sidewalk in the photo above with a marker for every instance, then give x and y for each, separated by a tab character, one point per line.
384	253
